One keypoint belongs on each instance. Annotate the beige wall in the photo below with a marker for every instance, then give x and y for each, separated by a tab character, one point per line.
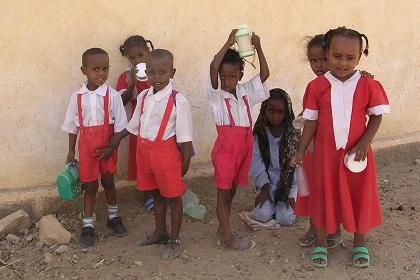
41	43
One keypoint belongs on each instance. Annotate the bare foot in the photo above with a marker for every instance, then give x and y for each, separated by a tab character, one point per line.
239	242
155	238
172	249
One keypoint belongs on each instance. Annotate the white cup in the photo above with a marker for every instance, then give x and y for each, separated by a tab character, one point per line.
299	122
354	166
141	72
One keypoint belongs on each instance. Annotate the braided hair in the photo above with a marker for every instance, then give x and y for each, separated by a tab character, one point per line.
349	33
315	41
135	41
288	145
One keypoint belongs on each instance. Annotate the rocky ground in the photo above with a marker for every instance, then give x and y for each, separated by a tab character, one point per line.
394	246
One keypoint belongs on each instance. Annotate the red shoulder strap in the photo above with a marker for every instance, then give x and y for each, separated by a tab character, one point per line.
248	110
166	115
232	122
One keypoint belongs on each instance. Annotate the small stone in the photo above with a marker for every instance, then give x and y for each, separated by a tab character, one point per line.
39	245
417	161
12	238
14	222
29	238
24	231
138	263
48	257
52	232
62	249
413	208
400	208
272	260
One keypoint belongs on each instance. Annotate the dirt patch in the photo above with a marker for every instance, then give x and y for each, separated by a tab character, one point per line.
394	246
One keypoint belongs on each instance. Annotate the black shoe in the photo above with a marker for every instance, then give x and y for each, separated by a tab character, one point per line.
87	238
115	224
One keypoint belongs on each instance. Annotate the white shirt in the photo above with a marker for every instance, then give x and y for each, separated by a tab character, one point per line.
255	92
93	109
180	121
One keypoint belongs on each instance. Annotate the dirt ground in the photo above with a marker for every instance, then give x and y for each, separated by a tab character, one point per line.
394	246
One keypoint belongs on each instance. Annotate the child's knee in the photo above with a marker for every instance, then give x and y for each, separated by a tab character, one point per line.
90	188
263	213
285	215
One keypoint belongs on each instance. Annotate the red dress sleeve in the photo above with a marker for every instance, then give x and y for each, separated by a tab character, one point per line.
378	103
122	82
310	102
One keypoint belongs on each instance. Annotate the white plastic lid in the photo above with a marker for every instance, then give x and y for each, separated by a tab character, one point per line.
354	166
141	72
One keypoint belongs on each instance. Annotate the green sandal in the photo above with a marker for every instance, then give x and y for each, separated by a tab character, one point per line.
319	253
361	253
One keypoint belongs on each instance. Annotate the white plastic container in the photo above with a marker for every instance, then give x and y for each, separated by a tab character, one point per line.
302	181
243	40
141	72
354	166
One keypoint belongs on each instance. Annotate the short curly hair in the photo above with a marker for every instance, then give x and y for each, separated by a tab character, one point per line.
232	57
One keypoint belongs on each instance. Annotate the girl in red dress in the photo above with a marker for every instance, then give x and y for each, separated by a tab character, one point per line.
335	109
136	50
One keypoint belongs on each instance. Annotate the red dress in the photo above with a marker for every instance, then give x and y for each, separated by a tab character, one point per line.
338	196
122	84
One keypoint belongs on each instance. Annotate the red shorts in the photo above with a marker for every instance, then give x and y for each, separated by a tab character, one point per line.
231	157
91	139
161	167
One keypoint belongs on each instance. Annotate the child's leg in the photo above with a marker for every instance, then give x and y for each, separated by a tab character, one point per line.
160	235
309	237
87	237
114	220
172	249
224	202
321	241
231	195
285	214
264	213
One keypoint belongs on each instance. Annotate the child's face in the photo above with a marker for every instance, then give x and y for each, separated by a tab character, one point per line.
230	75
96	69
137	54
343	56
317	57
159	71
275	112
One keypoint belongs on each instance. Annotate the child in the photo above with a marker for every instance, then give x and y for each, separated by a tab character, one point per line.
317	58
275	142
335	107
135	49
97	111
162	119
231	104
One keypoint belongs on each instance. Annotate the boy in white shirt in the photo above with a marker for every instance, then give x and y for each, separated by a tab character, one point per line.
97	112
231	104
161	121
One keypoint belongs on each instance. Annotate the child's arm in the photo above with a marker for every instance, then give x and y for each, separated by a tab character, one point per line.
113	144
307	135
362	146
127	95
186	156
72	148
264	70
218	58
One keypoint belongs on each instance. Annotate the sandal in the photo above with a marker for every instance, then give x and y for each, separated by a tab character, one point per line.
307	241
335	240
172	249
149	206
319	253
361	253
159	239
241	243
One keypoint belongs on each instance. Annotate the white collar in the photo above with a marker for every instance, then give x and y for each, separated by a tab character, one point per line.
161	93
333	79
99	91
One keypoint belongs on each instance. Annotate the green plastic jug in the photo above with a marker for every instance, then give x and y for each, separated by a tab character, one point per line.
243	40
68	182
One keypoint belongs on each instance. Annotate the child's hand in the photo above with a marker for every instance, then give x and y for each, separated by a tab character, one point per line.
291	202
366	74
360	149
105	152
255	40
297	159
231	39
70	157
263	196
